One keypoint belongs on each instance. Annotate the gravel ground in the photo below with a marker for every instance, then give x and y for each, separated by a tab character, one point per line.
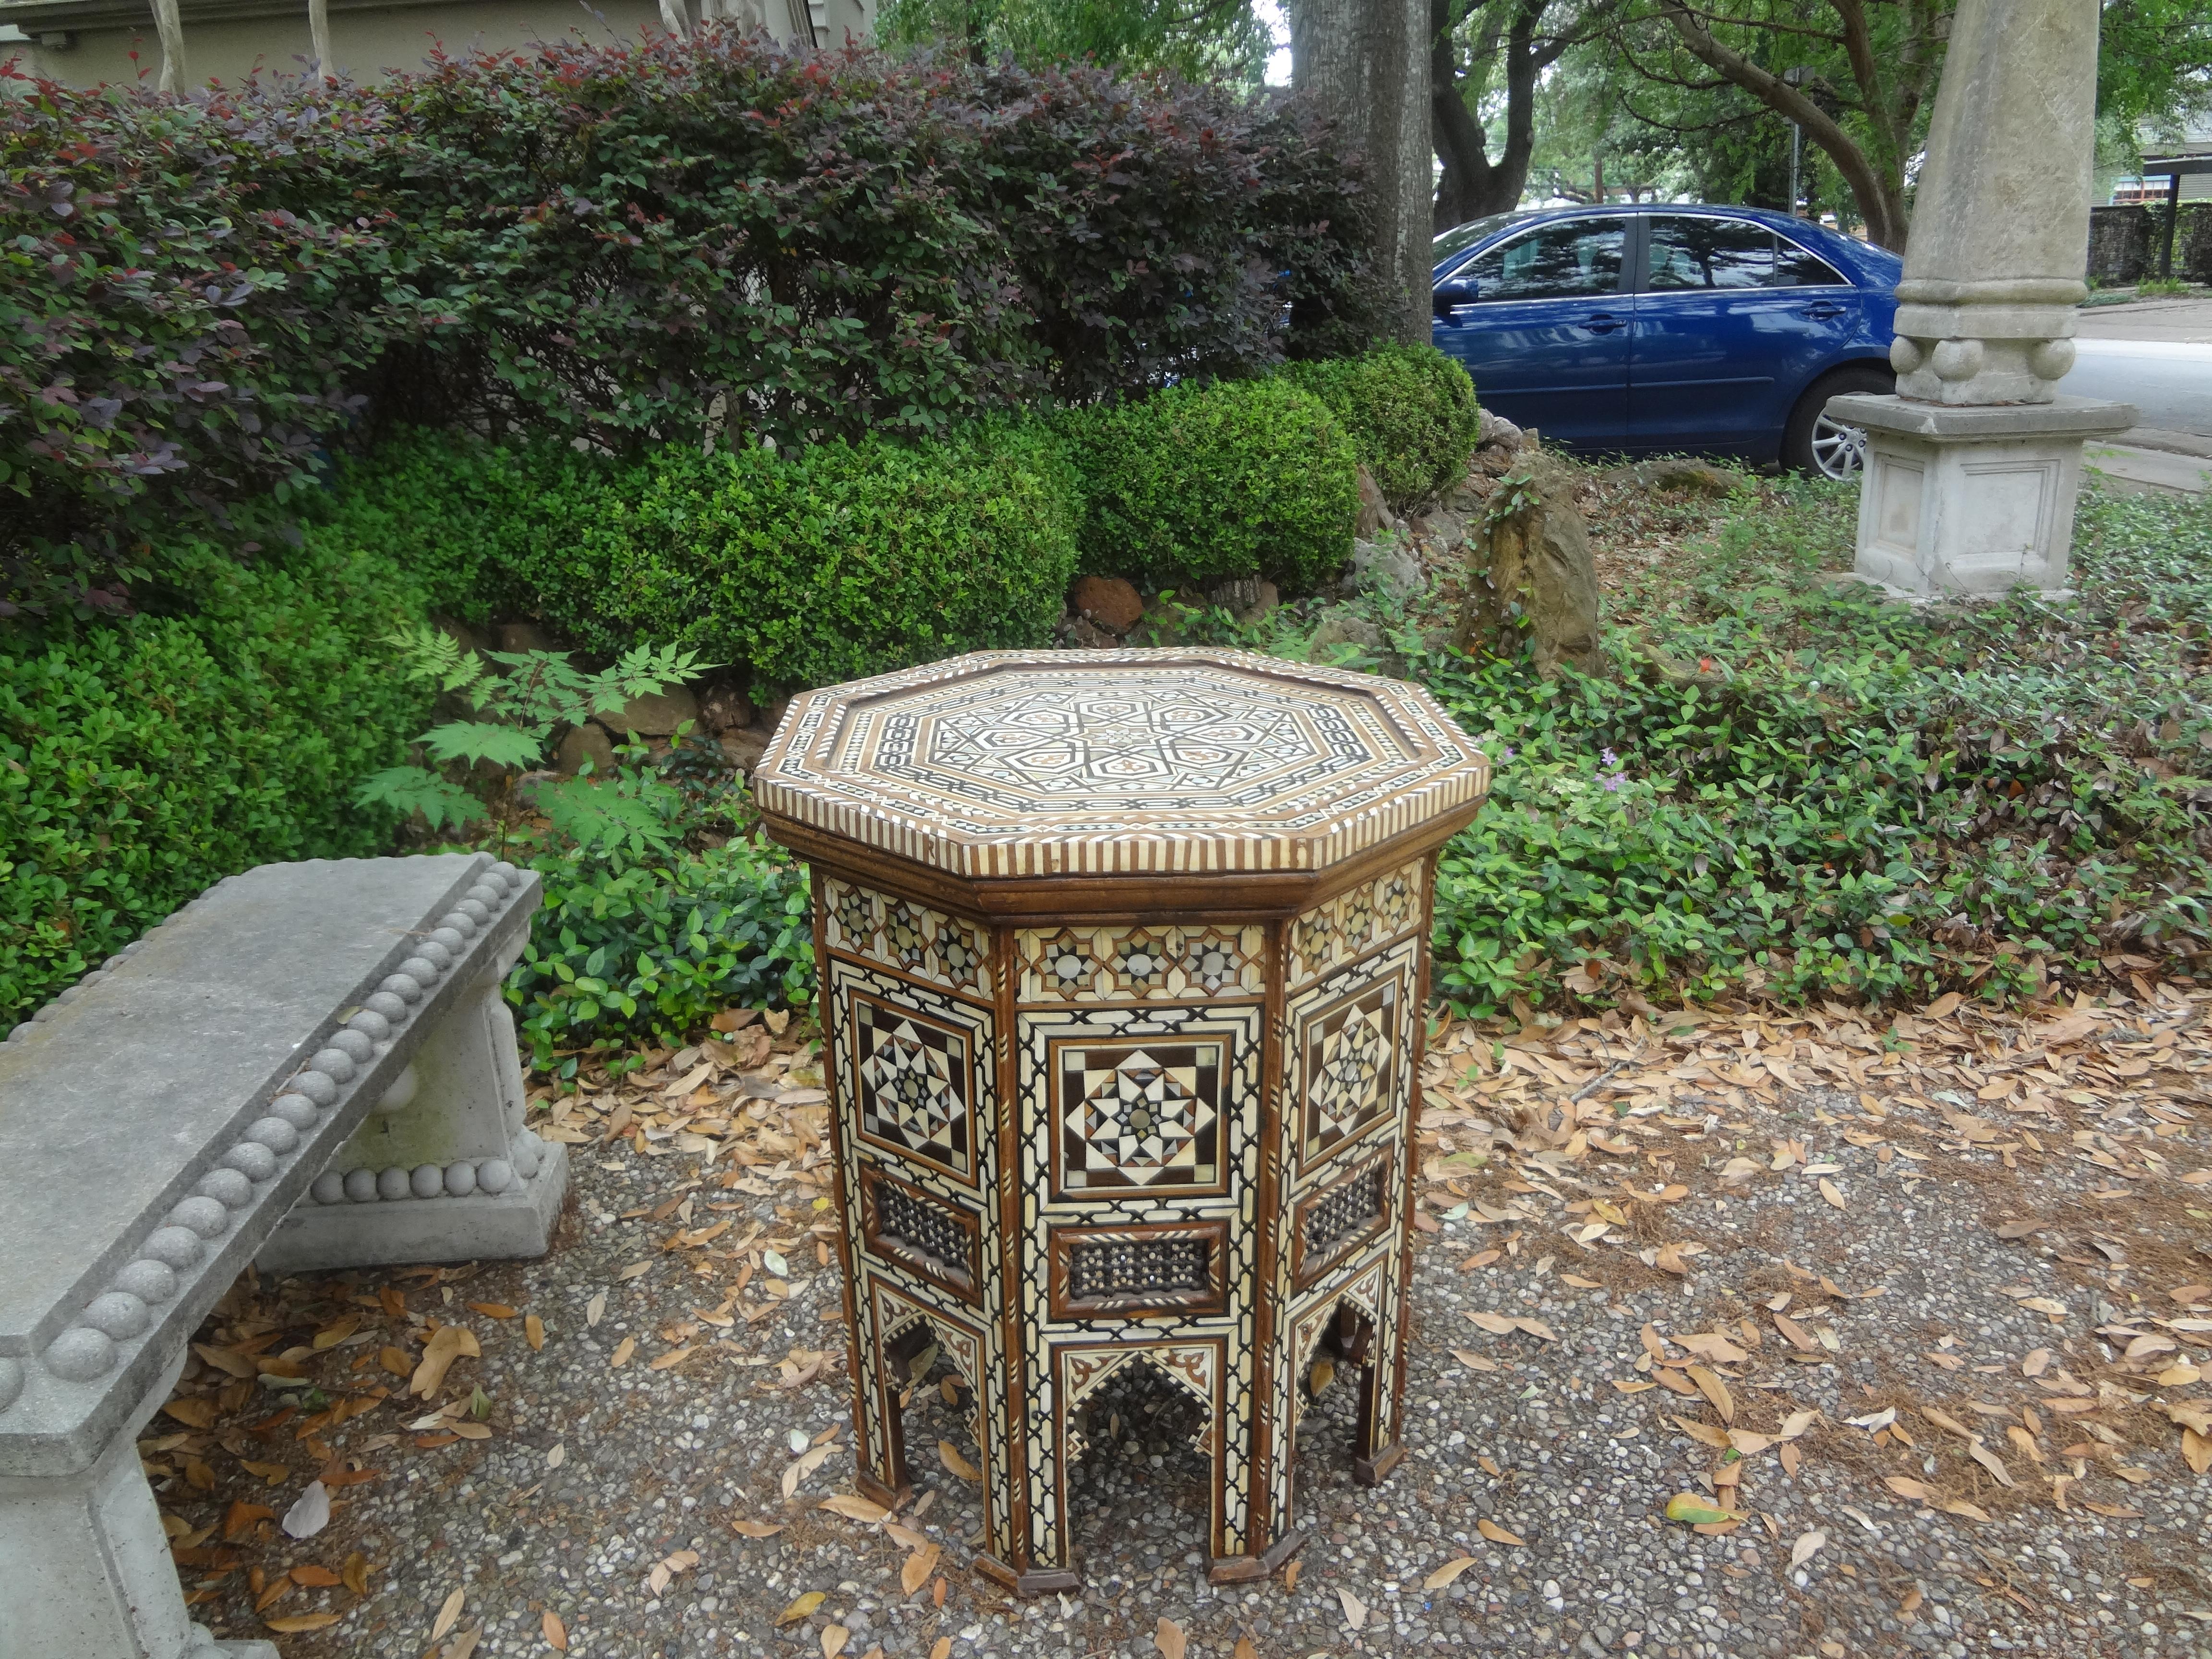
1927	1237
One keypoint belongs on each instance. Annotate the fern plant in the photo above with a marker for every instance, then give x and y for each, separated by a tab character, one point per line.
518	700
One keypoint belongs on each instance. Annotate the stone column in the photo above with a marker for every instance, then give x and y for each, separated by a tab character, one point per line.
1973	466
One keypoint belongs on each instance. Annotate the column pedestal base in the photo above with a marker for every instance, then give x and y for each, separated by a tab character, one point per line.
517	1223
1971	501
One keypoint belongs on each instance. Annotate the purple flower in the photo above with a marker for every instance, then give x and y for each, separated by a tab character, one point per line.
1613	782
1610	759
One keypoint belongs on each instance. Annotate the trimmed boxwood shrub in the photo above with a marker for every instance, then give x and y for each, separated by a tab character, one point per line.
144	758
1197	484
1410	409
840	561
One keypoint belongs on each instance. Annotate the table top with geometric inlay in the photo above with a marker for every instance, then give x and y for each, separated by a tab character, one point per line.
1024	763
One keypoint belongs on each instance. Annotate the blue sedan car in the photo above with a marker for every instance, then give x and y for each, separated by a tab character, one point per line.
1664	328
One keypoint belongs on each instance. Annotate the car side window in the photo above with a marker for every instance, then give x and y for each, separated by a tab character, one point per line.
1551	262
1685	252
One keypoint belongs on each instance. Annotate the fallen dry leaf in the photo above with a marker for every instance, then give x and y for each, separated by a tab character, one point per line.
1355	1610
854	1508
1169	1638
919	1566
446	1344
623	1350
1496	1534
803	1606
1445	1574
448	1615
533	1332
557	1633
834	1637
953	1460
1714	1390
1808	1545
292	1623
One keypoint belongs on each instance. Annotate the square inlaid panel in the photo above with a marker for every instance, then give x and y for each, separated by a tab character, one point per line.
1131	964
1138	1103
914	1066
1350	1051
906	937
1140	1114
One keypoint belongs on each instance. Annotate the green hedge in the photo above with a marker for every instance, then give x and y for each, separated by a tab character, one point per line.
1411	412
1197	484
841	561
143	759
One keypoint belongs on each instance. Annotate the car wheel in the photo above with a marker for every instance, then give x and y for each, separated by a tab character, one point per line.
1812	442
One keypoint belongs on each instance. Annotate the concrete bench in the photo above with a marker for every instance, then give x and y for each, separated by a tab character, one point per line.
309	1066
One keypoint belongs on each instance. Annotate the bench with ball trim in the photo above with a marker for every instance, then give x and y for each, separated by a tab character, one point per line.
310	1065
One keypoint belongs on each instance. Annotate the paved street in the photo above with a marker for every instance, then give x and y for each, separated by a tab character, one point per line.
2156	354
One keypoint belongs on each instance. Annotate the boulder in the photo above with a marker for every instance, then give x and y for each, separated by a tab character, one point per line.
585	743
1113	603
654	715
524	636
744	748
1529	576
1675	472
726	709
1375	515
1386	566
1441	527
1346	628
1496	429
1266	596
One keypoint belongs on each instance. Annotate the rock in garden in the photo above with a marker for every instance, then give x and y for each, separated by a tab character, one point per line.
657	714
524	636
1375	515
1344	628
745	746
1111	603
1673	472
726	709
1385	565
585	743
1496	429
1529	574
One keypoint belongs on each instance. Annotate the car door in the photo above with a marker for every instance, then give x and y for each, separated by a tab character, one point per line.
1541	322
1733	319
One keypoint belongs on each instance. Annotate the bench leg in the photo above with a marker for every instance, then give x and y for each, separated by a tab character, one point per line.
85	1570
443	1170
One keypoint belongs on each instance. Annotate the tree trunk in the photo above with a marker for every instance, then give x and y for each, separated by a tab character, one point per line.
1361	62
171	30
1473	184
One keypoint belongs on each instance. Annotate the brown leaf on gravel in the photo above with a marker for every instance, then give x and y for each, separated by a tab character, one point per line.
1169	1638
241	1517
448	1615
854	1508
292	1623
1445	1574
1990	1460
197	1411
313	1576
1919	1491
1497	1535
942	1647
1714	1390
623	1350
2196	1450
834	1638
1833	1193
1944	1420
446	1344
756	1529
1961	1506
950	1454
919	1566
557	1633
533	1332
800	1606
1703	1433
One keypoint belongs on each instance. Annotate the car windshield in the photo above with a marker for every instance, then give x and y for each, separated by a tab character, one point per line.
1460	238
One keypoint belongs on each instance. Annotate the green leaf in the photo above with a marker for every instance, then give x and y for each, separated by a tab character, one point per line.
411	789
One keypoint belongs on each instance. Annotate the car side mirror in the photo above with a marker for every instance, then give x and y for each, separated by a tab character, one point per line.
1454	292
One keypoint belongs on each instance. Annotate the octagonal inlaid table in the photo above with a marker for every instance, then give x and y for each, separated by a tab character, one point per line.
1123	955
